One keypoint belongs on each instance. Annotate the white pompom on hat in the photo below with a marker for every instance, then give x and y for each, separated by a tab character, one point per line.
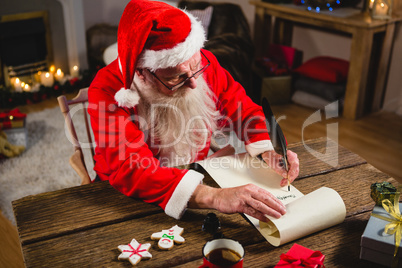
153	35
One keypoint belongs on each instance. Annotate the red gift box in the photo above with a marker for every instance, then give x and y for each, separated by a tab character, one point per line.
12	119
299	256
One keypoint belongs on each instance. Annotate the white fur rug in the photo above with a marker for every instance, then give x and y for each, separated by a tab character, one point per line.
44	165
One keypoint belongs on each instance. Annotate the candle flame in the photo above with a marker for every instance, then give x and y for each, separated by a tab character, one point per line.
47	74
11	117
17	80
58	72
52	68
75	68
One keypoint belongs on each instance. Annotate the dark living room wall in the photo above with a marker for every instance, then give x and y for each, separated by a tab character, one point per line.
54	8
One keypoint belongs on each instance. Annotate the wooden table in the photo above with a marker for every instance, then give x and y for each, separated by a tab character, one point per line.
82	226
369	60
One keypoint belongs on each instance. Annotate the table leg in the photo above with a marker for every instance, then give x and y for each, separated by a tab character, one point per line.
362	43
262	32
283	32
383	67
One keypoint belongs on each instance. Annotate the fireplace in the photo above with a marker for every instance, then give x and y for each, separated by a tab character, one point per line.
25	46
67	47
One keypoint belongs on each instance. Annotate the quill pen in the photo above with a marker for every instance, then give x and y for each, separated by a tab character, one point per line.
275	132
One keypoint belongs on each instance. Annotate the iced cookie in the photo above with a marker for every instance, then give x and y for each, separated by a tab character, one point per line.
134	252
167	238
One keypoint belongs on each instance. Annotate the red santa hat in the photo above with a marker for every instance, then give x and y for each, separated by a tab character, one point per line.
153	35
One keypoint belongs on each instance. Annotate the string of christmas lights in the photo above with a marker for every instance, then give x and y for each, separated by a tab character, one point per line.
319	5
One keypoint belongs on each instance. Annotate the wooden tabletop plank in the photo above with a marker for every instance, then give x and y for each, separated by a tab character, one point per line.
320	156
64	211
352	184
340	245
97	247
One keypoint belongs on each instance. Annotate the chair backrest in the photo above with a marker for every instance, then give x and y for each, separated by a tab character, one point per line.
77	159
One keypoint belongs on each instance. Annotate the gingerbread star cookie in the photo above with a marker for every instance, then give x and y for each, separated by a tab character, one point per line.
167	238
134	252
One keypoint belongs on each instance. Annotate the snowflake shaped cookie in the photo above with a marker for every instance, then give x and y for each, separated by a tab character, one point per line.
167	238
134	252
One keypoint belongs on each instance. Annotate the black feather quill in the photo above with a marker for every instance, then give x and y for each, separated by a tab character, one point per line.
275	132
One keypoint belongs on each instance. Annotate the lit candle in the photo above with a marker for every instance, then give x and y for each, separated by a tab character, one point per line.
27	88
75	71
371	4
52	69
37	77
12	80
59	75
381	9
22	85
47	79
17	85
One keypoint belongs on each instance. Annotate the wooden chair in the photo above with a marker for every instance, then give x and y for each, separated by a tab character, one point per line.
77	159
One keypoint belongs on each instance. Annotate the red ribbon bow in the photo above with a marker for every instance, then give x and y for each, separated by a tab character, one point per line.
7	117
313	261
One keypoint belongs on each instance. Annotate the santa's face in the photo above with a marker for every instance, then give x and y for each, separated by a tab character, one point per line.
171	77
178	123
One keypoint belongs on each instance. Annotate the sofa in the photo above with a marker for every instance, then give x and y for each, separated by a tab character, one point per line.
228	38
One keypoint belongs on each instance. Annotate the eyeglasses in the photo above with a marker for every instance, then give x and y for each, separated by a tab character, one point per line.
184	80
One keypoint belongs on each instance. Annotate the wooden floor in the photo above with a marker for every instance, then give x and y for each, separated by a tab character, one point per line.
377	138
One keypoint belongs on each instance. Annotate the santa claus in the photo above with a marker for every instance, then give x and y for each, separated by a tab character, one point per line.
158	105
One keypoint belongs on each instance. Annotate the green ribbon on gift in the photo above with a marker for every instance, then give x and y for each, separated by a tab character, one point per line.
394	227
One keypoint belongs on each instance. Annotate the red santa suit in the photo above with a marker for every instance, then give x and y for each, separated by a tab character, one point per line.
122	155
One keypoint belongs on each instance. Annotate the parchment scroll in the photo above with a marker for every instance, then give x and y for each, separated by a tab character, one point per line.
305	214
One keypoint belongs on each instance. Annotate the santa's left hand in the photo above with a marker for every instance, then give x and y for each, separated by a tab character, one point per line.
274	160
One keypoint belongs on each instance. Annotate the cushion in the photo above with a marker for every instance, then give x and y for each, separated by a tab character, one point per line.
288	56
326	69
110	54
316	102
327	91
204	16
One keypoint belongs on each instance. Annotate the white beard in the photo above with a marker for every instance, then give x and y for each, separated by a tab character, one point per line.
179	125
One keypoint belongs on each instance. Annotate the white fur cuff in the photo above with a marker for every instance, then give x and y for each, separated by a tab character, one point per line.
178	201
259	147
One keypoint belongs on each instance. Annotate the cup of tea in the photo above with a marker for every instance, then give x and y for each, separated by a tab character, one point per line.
222	253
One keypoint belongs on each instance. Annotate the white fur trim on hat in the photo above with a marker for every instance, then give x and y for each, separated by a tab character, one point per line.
178	201
127	97
172	57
